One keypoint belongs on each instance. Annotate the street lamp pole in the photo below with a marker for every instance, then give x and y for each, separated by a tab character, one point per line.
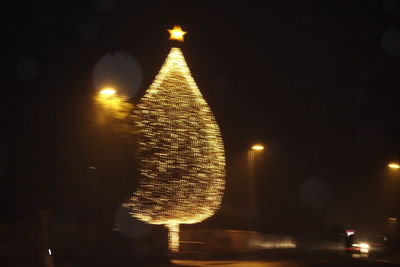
390	195
252	196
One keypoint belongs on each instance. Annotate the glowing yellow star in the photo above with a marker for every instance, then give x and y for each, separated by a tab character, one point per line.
176	33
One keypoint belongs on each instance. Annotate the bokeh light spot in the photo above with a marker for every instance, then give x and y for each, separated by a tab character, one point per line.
119	70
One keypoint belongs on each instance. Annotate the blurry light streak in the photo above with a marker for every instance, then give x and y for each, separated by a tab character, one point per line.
394	165
286	244
362	247
107	91
112	105
257	147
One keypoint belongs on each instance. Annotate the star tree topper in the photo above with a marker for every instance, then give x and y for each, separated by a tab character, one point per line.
176	33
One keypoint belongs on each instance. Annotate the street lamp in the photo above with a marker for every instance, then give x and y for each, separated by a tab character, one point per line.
394	165
391	197
255	149
107	91
111	104
251	154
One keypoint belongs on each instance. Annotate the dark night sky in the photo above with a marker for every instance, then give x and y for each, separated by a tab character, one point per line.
315	81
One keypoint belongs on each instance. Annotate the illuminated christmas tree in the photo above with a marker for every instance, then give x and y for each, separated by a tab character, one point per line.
180	150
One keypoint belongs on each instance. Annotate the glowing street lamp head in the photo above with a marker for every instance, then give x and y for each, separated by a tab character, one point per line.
257	147
107	91
176	33
394	165
111	104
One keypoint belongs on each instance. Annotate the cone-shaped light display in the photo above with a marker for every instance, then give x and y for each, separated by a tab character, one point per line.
180	152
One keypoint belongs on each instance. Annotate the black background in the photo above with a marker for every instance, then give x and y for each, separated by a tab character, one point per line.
315	81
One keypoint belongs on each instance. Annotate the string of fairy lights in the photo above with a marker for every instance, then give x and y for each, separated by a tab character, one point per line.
180	152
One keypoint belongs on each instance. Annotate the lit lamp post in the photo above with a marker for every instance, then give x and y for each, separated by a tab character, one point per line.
392	222
251	154
111	105
255	149
394	166
112	102
107	91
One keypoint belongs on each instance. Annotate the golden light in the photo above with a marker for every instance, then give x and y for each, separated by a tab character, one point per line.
176	33
363	247
107	91
180	152
394	165
111	105
257	147
173	237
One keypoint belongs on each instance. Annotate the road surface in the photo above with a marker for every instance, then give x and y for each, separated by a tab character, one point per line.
338	260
